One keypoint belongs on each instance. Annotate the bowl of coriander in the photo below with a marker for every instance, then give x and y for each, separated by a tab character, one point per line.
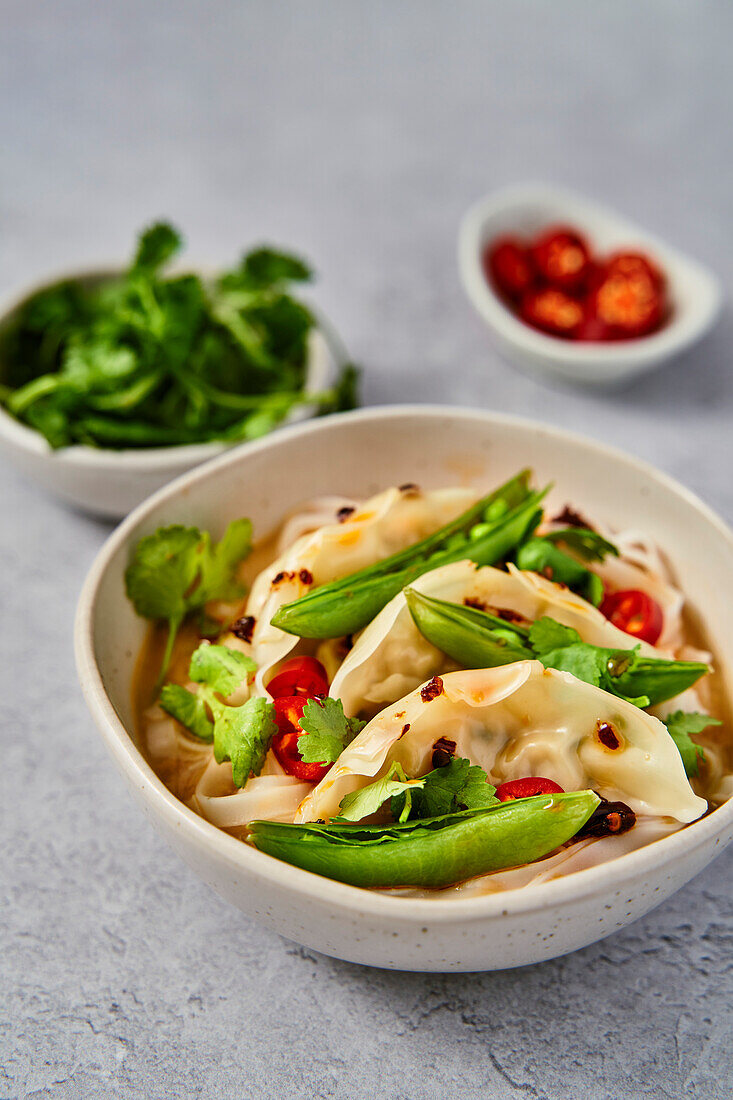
115	381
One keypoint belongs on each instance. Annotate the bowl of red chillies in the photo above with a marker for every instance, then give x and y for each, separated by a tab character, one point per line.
571	289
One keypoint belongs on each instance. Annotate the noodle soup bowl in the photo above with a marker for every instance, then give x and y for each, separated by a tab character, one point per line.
356	454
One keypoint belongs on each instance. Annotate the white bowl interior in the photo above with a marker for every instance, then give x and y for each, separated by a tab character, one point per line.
695	293
356	455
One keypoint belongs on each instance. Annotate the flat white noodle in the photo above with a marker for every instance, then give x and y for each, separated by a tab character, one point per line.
177	758
724	789
383	525
518	720
391	657
576	857
273	797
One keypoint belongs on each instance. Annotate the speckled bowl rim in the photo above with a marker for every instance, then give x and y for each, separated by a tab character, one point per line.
584	883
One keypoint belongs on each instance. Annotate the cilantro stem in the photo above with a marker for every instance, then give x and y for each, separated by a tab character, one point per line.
173	627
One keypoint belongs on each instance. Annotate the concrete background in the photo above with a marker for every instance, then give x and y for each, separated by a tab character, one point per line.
357	133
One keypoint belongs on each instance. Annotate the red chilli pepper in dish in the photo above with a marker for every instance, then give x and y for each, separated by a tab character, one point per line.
553	312
626	305
507	264
636	613
562	259
634	264
526	788
299	676
288	712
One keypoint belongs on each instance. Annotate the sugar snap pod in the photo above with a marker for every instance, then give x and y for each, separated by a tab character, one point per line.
520	720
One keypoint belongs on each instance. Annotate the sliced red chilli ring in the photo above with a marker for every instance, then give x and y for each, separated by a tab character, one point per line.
527	788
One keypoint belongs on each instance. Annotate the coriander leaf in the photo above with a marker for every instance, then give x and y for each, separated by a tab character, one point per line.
156	246
457	786
219	562
547	634
52	422
162	572
177	570
266	266
193	360
327	731
243	735
362	803
476	791
587	662
189	709
222	669
588	544
560	647
97	364
344	395
681	725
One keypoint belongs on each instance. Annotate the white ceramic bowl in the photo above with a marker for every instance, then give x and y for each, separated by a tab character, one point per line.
108	482
695	293
356	454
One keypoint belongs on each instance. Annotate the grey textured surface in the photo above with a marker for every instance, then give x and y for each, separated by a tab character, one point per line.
358	133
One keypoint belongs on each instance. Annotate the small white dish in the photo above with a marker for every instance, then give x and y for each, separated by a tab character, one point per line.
695	293
108	482
355	455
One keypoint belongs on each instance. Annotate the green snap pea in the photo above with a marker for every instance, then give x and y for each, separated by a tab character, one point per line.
495	510
477	639
471	637
346	605
433	852
541	555
658	679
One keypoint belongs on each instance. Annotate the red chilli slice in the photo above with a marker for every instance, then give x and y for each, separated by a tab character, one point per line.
553	311
299	676
636	613
526	788
562	259
508	266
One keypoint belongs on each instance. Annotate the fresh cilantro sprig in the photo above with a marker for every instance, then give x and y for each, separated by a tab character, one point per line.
366	801
562	648
681	725
326	731
177	570
149	359
189	709
459	785
241	734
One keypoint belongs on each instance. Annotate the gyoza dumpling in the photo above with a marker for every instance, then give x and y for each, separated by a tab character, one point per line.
520	720
381	526
391	657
